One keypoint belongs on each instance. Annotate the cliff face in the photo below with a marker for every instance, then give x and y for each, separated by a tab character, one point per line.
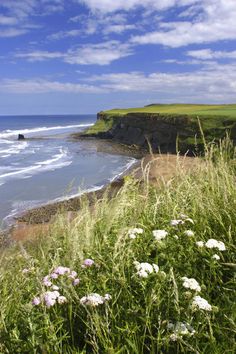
160	131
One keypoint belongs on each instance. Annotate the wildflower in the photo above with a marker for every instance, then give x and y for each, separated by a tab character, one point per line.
54	275
176	237
181	328
107	297
144	269
46	281
201	304
173	337
76	281
55	287
61	300
50	298
73	274
176	222
216	257
36	301
155	267
200	244
212	243
191	283
88	263
25	271
159	234
62	270
93	300
136	230
189	233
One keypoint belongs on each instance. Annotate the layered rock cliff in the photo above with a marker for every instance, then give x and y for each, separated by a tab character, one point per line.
161	132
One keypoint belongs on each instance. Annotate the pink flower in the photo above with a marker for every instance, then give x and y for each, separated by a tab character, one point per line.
62	270
50	298
46	281
76	281
88	263
54	275
36	301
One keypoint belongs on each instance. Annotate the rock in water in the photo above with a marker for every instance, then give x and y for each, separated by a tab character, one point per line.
21	137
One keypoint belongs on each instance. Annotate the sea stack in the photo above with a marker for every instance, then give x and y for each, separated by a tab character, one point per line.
21	137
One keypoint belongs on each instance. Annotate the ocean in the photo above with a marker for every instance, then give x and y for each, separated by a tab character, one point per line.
48	165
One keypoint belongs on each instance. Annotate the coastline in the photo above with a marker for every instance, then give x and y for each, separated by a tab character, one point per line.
157	169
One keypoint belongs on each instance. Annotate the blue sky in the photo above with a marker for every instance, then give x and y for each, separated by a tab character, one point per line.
82	56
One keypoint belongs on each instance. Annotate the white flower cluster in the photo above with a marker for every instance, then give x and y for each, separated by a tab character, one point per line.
191	283
180	329
183	219
134	232
212	243
144	269
189	233
159	234
201	304
94	299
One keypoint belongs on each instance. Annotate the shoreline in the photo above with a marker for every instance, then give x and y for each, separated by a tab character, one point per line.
34	221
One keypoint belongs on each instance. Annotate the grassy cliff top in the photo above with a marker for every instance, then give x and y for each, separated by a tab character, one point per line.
191	109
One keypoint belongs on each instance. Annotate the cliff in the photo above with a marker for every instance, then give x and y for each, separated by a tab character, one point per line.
164	132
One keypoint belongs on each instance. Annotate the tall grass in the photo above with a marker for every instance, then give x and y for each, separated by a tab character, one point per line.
144	314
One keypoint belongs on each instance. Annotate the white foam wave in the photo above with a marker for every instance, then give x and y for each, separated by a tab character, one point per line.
11	133
130	163
13	149
58	161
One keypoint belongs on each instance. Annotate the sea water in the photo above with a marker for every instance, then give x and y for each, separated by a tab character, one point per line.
48	165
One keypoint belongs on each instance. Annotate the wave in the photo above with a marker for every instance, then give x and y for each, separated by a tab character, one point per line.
13	149
58	161
11	133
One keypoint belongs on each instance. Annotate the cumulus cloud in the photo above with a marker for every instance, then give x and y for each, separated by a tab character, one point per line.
217	22
212	83
208	54
89	54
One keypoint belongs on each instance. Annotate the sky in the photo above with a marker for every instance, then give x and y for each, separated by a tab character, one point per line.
83	56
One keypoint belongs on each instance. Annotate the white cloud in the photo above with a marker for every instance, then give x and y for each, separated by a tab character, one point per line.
39	55
213	83
12	32
7	21
89	54
100	54
206	54
118	28
64	34
43	86
217	22
107	6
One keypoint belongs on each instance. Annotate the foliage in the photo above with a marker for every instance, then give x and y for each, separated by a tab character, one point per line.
152	314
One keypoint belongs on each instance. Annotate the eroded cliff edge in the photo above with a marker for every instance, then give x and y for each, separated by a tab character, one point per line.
163	132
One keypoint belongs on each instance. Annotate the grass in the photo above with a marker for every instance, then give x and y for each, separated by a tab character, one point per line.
190	109
138	317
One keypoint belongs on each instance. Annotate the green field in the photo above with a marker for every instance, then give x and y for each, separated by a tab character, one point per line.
190	109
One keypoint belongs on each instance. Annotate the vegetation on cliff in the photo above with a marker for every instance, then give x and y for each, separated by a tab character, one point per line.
167	127
149	271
